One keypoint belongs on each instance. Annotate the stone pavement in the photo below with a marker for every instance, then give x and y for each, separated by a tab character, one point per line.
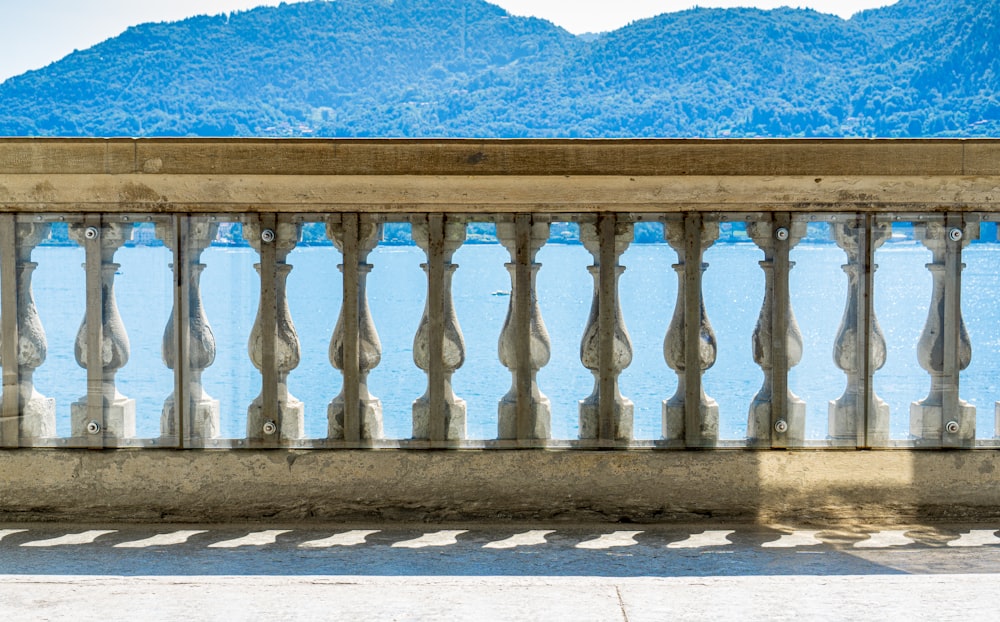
498	572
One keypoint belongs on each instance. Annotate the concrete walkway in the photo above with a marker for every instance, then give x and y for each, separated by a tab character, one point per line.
501	572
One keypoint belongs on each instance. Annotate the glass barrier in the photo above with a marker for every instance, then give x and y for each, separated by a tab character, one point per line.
223	290
315	292
51	300
125	267
917	301
826	284
733	289
924	387
649	302
482	293
980	282
565	290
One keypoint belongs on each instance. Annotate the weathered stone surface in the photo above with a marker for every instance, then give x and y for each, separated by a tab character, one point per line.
845	414
759	422
675	343
539	410
621	343
362	485
369	345
930	417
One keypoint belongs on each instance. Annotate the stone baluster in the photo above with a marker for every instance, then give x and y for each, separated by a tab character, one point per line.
846	412
119	411
675	342
538	422
369	346
621	357
202	409
931	418
38	413
453	346
791	428
291	411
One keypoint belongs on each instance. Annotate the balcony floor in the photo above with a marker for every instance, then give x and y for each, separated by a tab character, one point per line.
504	571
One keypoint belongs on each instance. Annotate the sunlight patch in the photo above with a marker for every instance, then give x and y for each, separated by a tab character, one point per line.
704	539
438	538
976	537
86	537
163	539
794	539
528	538
259	538
348	538
609	540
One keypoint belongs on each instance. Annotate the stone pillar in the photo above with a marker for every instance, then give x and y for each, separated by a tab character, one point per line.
286	344
590	420
675	342
539	409
759	425
847	411
202	409
119	411
453	348
37	412
929	420
369	346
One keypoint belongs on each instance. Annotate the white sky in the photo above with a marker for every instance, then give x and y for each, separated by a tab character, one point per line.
34	33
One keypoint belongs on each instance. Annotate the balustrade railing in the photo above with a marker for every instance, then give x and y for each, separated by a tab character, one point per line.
245	261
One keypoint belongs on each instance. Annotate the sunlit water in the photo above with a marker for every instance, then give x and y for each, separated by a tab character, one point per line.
397	288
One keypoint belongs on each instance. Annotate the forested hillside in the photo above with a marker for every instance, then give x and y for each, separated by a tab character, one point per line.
429	68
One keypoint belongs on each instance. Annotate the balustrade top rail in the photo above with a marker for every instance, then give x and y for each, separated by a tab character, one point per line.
238	175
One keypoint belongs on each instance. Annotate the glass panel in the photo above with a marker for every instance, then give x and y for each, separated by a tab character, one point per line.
648	293
904	287
315	291
481	294
733	288
980	384
59	290
229	290
397	288
565	292
143	291
823	285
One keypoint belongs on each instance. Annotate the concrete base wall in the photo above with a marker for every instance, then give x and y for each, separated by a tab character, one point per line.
393	485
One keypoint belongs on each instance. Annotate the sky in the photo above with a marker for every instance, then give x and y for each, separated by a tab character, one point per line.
34	33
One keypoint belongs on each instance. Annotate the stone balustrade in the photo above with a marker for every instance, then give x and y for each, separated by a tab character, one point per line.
768	194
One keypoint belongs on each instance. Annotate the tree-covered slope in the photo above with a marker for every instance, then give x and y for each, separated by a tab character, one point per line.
467	68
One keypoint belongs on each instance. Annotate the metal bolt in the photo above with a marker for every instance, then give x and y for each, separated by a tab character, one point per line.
92	233
780	426
951	427
93	427
781	233
267	235
270	427
955	234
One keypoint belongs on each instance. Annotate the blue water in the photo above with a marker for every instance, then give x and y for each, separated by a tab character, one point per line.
733	292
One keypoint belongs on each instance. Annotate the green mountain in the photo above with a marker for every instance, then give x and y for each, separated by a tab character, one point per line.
431	68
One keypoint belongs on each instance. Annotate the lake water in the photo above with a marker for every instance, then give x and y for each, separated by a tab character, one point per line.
397	286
